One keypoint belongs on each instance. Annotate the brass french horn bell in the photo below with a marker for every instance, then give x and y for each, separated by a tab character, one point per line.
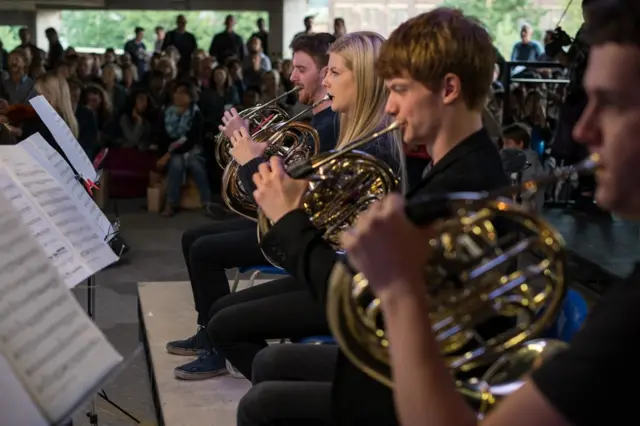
292	140
260	116
489	291
342	184
508	373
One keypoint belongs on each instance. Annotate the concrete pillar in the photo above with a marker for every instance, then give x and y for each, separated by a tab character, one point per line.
293	13
44	20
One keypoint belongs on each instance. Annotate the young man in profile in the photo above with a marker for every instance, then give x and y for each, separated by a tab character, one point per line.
586	385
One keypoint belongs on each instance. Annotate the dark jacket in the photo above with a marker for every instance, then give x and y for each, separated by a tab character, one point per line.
326	123
299	246
473	165
194	135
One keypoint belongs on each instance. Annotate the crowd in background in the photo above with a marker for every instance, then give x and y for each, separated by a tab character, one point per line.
148	97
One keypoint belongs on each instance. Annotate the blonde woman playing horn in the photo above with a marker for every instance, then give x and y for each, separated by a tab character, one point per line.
294	306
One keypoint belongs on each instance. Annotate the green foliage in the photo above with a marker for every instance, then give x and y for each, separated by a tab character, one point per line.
111	28
9	37
502	18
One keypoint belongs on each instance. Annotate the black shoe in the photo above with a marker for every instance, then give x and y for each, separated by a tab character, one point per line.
208	364
194	345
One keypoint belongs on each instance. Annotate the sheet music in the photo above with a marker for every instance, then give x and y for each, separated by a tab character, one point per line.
63	135
16	406
56	165
55	246
59	207
55	350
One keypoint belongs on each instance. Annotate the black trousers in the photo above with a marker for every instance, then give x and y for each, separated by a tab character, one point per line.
210	249
241	322
291	386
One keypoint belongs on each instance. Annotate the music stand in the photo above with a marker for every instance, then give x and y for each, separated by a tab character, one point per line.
92	414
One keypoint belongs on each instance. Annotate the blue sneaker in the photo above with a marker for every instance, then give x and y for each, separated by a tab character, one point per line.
191	346
208	364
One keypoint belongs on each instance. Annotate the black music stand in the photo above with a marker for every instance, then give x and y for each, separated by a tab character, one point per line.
92	414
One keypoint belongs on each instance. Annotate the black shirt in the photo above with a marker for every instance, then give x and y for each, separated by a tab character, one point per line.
186	44
296	244
225	45
593	382
326	123
473	165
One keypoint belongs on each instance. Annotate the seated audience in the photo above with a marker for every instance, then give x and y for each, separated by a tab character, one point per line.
16	87
87	122
179	140
134	124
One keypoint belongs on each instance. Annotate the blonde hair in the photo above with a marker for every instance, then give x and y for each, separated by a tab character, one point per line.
59	96
360	51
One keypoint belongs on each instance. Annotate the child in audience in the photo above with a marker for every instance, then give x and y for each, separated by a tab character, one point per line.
518	136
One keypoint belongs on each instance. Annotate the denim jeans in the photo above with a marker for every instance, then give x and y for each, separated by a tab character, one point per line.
195	165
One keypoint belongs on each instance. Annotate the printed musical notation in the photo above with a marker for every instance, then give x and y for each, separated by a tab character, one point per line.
58	167
54	245
63	135
59	207
53	348
32	187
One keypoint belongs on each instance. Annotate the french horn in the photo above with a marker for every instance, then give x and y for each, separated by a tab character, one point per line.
259	117
342	184
292	140
489	292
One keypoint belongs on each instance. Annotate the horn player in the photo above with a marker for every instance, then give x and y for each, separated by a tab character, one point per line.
293	307
438	68
210	249
582	386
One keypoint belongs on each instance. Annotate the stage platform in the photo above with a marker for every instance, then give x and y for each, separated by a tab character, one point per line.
166	313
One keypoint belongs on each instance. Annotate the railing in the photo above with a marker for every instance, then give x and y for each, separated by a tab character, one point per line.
508	79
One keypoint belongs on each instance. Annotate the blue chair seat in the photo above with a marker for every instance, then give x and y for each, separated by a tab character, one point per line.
316	340
574	313
264	269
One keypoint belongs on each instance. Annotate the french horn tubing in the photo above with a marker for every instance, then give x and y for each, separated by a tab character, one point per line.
342	184
292	140
476	277
260	116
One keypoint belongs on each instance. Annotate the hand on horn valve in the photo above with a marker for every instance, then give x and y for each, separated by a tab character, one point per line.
387	248
276	192
243	148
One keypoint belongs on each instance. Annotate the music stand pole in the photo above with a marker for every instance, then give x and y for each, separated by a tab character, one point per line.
92	414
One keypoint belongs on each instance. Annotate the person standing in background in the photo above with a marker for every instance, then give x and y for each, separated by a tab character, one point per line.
228	43
184	42
56	52
263	35
527	49
339	28
308	27
138	51
159	40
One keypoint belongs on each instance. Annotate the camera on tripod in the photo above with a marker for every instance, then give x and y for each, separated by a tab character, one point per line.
559	39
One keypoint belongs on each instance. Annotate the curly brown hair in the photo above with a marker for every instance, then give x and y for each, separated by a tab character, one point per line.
315	45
